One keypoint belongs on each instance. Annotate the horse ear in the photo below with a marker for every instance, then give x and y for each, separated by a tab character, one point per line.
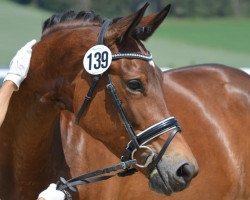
150	23
121	28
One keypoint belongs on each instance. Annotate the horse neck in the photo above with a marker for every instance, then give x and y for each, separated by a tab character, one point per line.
47	91
33	109
29	130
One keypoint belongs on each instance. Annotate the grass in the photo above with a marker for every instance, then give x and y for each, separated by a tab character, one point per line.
18	25
225	34
194	41
175	43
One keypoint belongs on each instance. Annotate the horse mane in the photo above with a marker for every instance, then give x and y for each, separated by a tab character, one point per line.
73	19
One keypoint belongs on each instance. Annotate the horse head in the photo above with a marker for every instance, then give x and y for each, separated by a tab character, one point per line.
133	81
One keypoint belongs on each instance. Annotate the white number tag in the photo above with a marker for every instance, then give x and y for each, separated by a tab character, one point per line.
97	59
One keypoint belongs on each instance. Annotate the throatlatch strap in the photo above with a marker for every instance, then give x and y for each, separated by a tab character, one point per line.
88	98
96	79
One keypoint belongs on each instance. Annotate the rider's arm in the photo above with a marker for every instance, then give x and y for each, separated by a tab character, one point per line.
5	93
19	67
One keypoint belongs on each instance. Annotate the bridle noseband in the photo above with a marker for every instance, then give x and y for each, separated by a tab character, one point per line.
137	141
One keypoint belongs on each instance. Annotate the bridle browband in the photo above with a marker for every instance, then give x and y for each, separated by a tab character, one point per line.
137	141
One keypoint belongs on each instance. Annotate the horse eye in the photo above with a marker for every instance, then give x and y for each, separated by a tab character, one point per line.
135	85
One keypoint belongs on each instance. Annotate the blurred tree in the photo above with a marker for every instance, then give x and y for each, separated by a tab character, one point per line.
240	7
202	8
23	1
236	5
124	7
111	8
155	5
180	8
63	5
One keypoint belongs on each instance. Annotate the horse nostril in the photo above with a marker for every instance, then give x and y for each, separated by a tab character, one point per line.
186	171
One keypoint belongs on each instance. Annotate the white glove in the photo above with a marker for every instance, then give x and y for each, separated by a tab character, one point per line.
51	193
19	65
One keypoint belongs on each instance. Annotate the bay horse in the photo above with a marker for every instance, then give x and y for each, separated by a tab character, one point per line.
32	153
218	98
212	102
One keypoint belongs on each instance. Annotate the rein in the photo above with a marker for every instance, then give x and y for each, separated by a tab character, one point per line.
137	141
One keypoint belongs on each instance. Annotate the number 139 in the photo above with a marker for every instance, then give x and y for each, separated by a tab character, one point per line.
100	60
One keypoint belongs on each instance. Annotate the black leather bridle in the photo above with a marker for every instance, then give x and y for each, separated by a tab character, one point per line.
137	141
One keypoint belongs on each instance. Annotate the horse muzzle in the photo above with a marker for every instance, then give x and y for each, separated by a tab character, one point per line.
171	176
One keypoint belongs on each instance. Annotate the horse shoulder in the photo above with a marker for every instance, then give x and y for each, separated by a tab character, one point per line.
212	103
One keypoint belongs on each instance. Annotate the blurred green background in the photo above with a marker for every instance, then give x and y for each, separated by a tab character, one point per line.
196	31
